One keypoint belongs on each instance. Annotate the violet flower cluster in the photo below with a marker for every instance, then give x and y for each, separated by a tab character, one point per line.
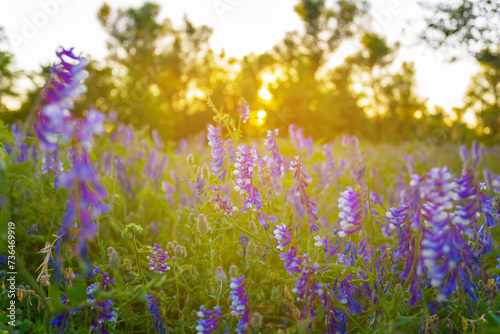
239	307
244	110
350	211
302	182
158	260
216	143
221	204
55	121
246	160
103	308
275	161
155	309
209	320
283	236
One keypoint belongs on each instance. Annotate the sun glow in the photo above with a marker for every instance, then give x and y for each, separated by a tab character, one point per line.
265	94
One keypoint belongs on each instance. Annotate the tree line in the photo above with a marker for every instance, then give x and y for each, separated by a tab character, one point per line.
159	75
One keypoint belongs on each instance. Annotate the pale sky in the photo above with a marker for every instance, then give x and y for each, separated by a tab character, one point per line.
37	27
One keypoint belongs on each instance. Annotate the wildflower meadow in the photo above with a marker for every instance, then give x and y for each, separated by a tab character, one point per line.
106	228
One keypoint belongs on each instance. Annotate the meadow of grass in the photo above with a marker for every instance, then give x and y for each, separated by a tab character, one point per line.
117	231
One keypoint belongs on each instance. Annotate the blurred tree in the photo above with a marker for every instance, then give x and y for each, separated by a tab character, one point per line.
470	25
7	74
483	97
301	91
163	70
473	26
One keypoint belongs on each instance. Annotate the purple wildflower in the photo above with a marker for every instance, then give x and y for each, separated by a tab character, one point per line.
158	260
292	262
61	320
298	138
274	162
55	121
221	204
209	320
154	307
245	163
218	154
272	147
244	110
155	166
103	308
343	291
157	139
283	235
487	205
239	298
350	214
50	164
86	199
301	181
445	252
397	217
305	286
89	127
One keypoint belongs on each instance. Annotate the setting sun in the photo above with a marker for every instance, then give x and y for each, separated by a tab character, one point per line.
265	94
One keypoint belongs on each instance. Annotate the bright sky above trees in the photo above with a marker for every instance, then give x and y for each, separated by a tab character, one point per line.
240	27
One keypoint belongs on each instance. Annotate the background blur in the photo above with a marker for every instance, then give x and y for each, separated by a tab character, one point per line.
384	70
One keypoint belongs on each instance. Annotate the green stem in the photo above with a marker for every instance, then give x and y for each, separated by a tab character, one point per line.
248	233
136	253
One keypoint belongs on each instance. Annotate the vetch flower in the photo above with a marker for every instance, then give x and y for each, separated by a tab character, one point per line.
209	320
292	262
61	320
50	164
350	211
301	181
55	121
89	127
276	162
239	297
218	154
246	161
298	138
158	260
103	308
283	236
244	110
154	307
221	204
86	197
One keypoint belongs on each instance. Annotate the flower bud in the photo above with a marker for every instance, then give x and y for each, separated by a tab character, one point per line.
170	247
276	294
205	172
114	261
179	251
191	218
131	230
233	271
256	321
252	227
252	249
190	160
220	275
398	289
202	224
